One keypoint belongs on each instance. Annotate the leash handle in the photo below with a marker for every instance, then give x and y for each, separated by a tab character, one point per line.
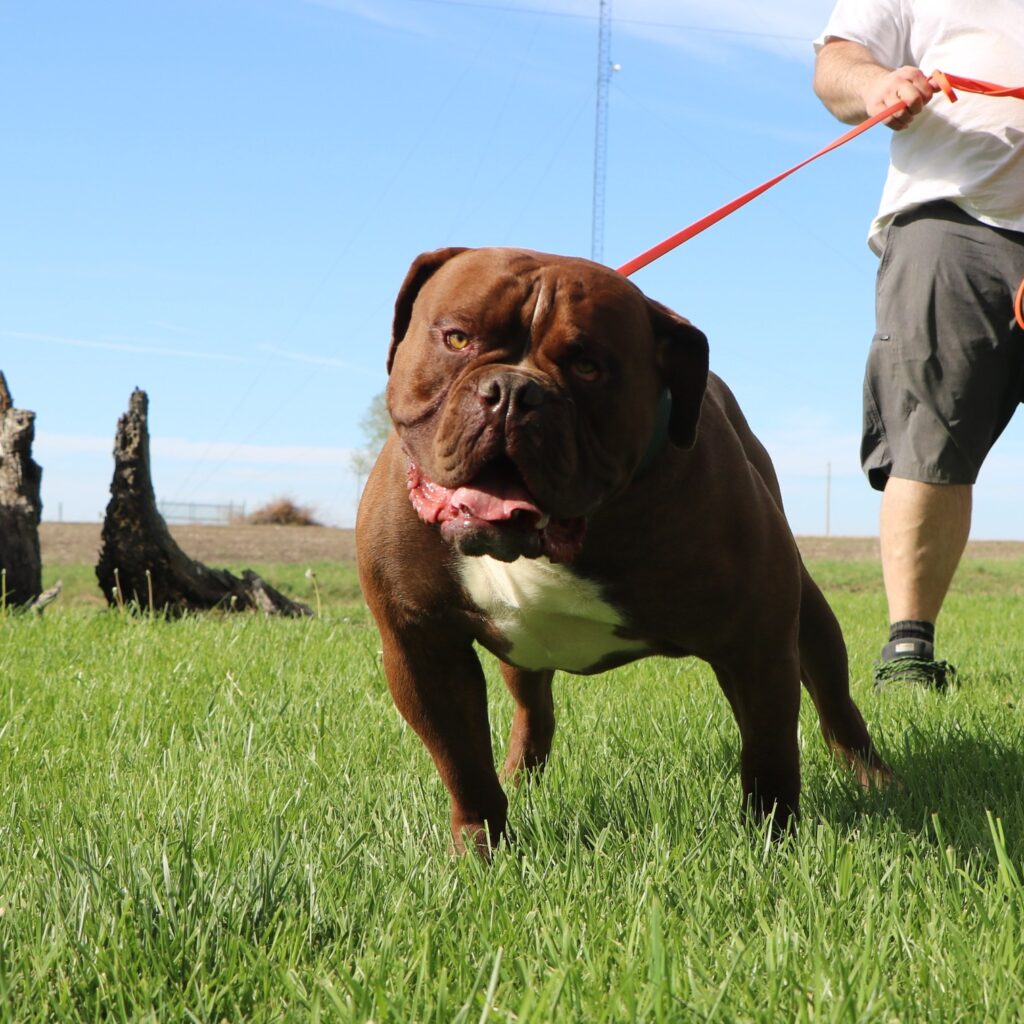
946	82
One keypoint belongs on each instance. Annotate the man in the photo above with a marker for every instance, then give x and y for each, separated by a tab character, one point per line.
945	370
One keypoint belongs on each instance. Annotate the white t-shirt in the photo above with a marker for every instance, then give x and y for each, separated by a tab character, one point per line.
971	151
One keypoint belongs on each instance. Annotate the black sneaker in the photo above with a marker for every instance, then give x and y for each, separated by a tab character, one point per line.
911	661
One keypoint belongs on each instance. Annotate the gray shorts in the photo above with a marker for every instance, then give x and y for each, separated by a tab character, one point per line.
946	368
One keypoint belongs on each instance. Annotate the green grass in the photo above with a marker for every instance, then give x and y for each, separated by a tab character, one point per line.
331	583
224	818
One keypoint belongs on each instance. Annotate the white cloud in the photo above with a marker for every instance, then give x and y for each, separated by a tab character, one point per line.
692	25
120	346
180	450
55	445
1004	468
164	325
805	443
707	27
136	346
176	448
793	20
388	15
302	357
77	470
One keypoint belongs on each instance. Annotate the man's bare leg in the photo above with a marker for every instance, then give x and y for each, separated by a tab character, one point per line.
924	529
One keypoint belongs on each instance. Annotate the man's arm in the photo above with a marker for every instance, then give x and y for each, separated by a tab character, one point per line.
854	86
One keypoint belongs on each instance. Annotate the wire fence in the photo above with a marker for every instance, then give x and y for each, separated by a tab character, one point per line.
197	512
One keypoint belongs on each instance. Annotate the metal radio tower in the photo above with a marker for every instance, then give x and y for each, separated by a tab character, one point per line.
604	77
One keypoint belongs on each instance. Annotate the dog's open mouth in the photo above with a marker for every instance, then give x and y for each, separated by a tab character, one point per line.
495	514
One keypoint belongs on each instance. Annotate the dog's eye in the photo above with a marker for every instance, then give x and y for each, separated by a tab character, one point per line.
586	369
456	340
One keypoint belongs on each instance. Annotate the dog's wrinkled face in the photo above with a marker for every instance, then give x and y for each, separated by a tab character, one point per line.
525	389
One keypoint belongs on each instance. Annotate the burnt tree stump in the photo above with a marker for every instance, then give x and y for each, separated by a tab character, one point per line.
141	565
21	567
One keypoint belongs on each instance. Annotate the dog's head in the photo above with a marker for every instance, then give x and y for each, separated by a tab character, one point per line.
528	389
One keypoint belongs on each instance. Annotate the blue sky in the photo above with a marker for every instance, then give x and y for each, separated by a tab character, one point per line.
216	200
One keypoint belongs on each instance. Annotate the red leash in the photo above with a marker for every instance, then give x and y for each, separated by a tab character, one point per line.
945	82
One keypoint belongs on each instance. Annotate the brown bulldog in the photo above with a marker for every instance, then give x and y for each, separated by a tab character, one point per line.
569	487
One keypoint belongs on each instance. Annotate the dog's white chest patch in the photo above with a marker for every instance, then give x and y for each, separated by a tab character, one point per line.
549	616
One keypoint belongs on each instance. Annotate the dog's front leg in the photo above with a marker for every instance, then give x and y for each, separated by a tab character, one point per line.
533	721
441	692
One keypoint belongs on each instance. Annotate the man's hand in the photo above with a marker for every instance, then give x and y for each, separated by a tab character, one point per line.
854	86
908	84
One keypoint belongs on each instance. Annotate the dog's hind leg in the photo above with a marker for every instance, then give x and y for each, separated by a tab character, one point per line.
533	722
824	669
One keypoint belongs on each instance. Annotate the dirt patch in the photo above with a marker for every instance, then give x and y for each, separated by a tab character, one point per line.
79	543
843	549
839	549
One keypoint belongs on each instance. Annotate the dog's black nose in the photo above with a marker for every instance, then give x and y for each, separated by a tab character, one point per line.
508	391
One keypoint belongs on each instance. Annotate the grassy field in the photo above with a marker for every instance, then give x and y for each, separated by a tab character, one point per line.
223	818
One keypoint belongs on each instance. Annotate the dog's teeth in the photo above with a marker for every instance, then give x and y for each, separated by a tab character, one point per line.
543	521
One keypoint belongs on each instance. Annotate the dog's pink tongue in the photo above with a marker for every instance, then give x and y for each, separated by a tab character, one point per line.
493	500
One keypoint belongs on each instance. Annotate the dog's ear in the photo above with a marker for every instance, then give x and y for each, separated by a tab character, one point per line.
422	269
683	361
